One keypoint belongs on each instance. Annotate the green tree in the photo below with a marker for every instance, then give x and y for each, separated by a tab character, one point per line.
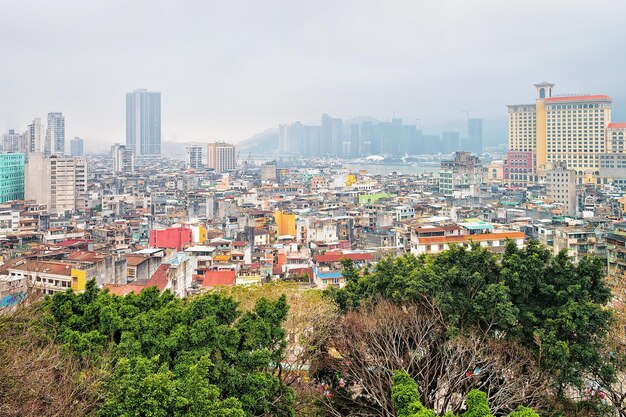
172	357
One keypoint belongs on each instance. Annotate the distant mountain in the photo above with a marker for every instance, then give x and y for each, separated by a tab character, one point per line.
261	143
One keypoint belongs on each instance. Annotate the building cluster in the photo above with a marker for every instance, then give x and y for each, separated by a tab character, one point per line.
130	220
338	138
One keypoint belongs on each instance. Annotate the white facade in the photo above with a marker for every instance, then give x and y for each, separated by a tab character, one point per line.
561	188
123	158
35	136
58	182
194	156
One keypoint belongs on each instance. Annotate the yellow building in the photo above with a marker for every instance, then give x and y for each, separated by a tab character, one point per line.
285	222
351	179
79	279
570	129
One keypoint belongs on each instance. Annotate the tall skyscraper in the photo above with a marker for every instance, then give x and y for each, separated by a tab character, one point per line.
11	176
194	156
143	122
475	136
77	147
35	136
221	156
60	182
331	136
123	159
55	134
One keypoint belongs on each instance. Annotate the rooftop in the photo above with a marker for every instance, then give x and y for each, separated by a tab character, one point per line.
593	97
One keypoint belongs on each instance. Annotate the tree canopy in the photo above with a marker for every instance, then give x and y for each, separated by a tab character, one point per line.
175	357
547	303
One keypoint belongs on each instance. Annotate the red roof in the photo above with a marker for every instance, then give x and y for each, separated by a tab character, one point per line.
124	289
159	278
617	125
337	256
213	278
595	97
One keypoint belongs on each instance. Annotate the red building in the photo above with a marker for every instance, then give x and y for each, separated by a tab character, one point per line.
173	238
519	168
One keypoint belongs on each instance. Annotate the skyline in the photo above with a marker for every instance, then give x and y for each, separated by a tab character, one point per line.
227	72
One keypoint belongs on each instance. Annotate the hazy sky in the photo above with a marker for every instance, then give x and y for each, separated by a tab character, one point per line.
227	70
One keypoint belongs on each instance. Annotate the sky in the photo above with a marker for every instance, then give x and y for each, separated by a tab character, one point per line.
227	70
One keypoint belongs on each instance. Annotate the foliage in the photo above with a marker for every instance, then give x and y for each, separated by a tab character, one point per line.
372	342
406	400
172	357
309	324
545	302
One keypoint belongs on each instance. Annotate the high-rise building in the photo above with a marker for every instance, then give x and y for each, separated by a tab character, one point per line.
561	188
13	142
331	136
570	129
194	156
11	176
475	136
221	156
55	134
77	147
143	122
450	142
35	136
123	159
60	182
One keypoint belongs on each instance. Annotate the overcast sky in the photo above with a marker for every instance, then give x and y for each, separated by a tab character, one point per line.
227	70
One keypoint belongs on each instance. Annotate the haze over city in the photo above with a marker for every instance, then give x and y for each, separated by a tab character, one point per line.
230	70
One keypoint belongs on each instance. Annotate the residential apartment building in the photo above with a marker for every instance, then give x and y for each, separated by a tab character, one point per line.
194	156
561	188
13	142
221	157
123	158
35	136
55	134
11	176
461	176
77	147
59	182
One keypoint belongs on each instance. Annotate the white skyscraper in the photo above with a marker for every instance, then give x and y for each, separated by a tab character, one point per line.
194	156
55	134
35	137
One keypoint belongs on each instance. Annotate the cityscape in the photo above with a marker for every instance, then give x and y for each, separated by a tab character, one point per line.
346	266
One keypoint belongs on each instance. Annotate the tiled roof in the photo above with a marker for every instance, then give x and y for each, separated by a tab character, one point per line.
594	97
159	278
617	125
213	278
